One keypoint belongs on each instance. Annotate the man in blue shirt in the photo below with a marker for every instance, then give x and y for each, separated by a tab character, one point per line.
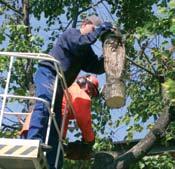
73	50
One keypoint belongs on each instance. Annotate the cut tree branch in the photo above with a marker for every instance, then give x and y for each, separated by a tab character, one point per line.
113	160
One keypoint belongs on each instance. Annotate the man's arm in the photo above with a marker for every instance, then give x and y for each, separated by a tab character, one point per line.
76	40
93	63
75	37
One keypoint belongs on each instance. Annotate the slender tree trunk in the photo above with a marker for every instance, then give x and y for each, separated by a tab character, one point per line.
25	6
29	65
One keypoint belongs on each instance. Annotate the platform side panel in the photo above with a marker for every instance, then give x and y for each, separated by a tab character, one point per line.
16	164
19	148
21	154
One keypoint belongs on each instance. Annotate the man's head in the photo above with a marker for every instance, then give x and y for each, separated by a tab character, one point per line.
89	83
89	24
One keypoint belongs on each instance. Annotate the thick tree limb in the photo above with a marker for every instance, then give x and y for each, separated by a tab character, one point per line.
124	161
75	19
140	150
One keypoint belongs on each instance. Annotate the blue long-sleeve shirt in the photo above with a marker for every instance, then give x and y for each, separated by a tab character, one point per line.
74	52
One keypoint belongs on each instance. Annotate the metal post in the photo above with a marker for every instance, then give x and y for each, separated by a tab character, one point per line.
51	109
60	75
61	136
6	90
68	101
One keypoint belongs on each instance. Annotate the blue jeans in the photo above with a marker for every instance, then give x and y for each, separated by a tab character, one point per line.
44	81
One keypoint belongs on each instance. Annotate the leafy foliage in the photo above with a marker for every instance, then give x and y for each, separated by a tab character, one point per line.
170	89
148	29
156	162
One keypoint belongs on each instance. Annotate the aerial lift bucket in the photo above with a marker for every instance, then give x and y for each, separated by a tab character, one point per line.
23	153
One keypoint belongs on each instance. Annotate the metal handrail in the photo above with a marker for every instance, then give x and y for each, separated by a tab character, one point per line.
24	97
37	56
60	74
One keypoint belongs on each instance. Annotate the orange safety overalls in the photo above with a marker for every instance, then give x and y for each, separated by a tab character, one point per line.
82	113
82	108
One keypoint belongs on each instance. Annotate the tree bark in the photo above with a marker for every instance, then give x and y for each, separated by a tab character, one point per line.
114	63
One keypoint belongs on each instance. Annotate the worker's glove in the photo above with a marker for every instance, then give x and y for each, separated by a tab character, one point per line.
103	28
106	25
78	150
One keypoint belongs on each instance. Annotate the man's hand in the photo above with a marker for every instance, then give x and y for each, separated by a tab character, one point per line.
107	25
103	28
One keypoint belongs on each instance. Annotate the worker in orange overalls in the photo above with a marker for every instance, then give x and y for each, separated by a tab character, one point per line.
80	93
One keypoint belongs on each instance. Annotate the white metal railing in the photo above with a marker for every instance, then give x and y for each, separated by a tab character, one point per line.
60	75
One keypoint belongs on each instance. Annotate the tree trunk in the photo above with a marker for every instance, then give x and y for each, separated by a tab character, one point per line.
114	63
25	6
29	65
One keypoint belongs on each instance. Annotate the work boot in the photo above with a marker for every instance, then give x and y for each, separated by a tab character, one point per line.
78	150
45	147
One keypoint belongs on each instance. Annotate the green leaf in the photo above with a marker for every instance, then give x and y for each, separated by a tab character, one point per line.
172	4
172	29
